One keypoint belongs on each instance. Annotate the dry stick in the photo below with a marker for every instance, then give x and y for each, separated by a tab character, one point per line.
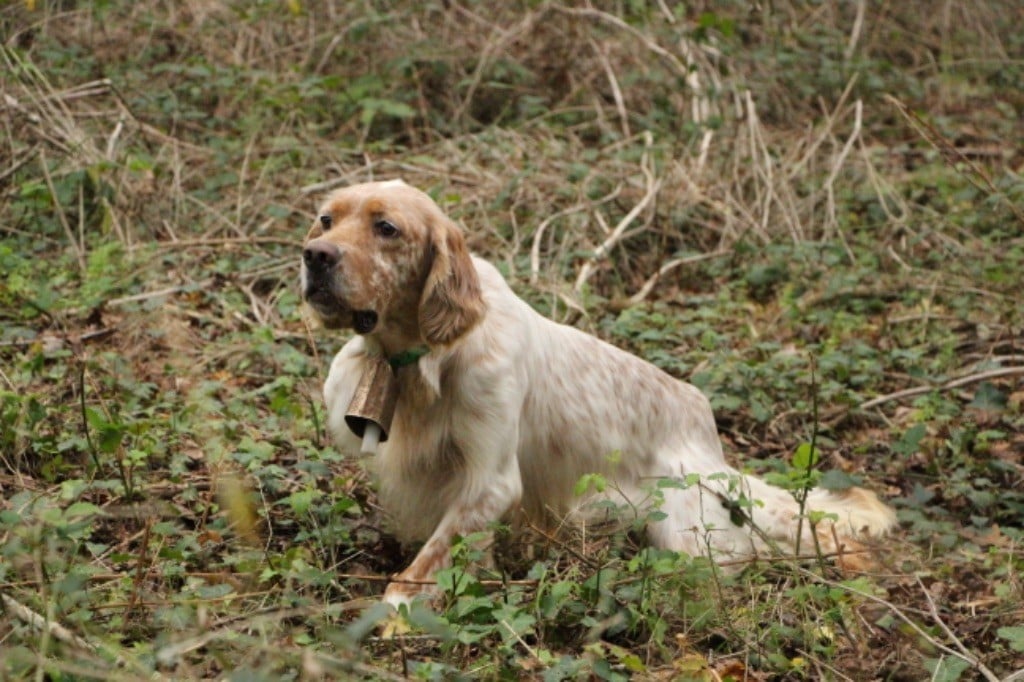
941	623
46	339
377	578
705	147
364	670
239	202
564	545
799	166
858	24
18	163
653	185
939	141
246	240
858	111
700	103
529	649
80	255
56	630
539	232
168	654
967	657
883	198
325	185
591	13
671	265
759	152
949	385
613	83
493	47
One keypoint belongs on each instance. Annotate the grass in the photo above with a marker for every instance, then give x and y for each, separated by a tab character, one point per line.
812	211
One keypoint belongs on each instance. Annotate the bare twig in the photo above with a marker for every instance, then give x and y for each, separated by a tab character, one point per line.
170	653
522	642
591	13
949	385
78	248
830	193
18	163
933	609
951	153
668	267
964	656
613	83
538	234
39	622
653	185
858	25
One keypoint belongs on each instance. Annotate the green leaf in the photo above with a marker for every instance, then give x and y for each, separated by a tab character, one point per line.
988	397
1014	635
82	509
946	669
301	500
588	482
908	444
805	456
834	479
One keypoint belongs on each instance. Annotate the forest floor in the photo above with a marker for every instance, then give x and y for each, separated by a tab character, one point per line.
812	211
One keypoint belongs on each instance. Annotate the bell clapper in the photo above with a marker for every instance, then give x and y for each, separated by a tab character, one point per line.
371	437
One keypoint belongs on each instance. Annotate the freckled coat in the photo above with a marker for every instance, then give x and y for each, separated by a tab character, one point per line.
511	410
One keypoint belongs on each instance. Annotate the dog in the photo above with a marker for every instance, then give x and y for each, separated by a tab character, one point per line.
501	411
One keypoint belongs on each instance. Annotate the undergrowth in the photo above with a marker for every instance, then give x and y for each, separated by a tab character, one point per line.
813	211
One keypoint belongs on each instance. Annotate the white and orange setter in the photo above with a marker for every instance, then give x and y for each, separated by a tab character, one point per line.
501	411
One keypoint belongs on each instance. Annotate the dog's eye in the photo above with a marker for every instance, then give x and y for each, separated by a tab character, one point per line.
325	221
385	228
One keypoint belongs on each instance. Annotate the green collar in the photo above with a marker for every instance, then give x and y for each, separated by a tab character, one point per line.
408	357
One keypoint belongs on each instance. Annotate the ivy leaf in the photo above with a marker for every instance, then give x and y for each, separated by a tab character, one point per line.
834	479
946	669
988	397
1014	635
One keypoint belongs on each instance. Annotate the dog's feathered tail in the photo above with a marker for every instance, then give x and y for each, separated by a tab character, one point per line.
773	519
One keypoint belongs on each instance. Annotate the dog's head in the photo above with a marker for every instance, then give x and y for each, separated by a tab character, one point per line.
383	259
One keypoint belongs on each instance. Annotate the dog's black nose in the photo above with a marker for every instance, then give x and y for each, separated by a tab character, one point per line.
321	255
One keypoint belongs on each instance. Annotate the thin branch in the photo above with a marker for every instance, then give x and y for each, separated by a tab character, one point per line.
591	13
967	657
949	385
830	194
529	649
858	25
952	154
933	609
538	234
39	622
668	267
75	245
653	185
18	163
613	83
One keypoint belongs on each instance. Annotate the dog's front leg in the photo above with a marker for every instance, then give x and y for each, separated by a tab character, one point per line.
483	499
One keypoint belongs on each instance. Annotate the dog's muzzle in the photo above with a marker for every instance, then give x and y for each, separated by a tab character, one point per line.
321	260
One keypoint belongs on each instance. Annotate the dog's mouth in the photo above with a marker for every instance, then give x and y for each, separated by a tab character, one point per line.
331	310
363	321
336	314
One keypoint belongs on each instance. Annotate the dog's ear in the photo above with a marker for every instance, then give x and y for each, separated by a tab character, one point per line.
452	302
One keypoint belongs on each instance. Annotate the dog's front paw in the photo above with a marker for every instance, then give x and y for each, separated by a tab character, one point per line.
399	594
401	598
395	625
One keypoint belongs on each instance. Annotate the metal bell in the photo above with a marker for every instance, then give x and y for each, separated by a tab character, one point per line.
372	407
